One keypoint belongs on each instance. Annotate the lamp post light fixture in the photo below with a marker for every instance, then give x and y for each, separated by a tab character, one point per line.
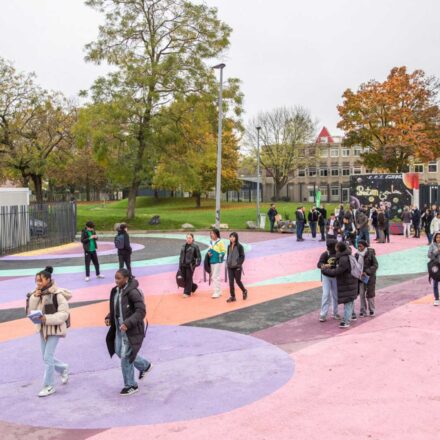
218	186
258	178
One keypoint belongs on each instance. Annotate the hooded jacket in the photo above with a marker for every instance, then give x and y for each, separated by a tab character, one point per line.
347	283
55	324
329	256
133	315
434	250
85	240
370	268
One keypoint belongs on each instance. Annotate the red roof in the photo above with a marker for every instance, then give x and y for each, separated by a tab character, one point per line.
325	133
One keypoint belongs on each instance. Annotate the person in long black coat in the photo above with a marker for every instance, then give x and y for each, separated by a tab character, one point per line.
347	283
127	329
124	254
367	291
190	258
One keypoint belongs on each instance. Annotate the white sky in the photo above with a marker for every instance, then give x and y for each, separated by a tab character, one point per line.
286	52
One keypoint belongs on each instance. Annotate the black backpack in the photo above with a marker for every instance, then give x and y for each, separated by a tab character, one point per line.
120	241
434	270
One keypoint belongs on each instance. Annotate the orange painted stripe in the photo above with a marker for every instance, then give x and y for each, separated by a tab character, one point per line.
166	309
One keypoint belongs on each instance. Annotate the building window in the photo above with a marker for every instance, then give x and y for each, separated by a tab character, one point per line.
346	152
357	152
334	192
334	152
323	139
335	171
419	168
301	152
346	172
324	193
301	172
366	149
312	172
323	172
432	167
357	170
323	152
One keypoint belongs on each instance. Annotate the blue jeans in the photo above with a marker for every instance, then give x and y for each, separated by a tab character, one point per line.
329	293
48	347
348	311
123	350
299	230
364	234
313	229
435	286
429	236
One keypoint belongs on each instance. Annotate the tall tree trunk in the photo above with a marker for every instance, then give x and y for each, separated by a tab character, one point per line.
87	188
278	187
198	198
38	187
156	194
132	199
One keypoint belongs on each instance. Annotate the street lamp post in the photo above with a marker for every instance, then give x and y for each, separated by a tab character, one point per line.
258	177
218	187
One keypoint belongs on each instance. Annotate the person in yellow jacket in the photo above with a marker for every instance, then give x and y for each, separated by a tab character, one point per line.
216	252
52	325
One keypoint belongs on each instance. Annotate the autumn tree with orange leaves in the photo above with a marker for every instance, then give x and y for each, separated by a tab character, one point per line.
398	119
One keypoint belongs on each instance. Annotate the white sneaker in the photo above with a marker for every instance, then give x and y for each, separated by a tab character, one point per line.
87	279
46	391
65	376
436	302
100	276
216	295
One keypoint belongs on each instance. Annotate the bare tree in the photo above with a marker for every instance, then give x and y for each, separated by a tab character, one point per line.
283	136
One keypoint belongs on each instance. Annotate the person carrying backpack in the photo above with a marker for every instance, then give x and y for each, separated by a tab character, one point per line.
367	283
347	283
122	244
52	303
329	284
127	329
89	240
434	265
234	261
190	258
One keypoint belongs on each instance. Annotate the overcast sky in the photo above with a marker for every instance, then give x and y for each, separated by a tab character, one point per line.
286	52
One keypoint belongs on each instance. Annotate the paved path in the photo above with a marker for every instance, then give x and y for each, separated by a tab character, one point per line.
264	368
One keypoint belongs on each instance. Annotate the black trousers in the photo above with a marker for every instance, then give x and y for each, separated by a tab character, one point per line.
272	223
125	258
322	231
234	276
190	287
91	257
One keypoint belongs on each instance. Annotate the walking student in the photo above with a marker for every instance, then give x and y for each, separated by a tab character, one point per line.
272	213
122	243
51	301
347	283
89	241
234	261
190	258
300	223
216	253
434	257
127	329
329	284
367	285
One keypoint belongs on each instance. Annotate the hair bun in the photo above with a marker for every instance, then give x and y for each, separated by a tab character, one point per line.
49	269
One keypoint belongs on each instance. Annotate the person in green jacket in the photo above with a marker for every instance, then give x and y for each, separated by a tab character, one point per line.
216	254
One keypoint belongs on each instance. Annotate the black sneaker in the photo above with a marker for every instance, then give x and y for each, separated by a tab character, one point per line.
372	314
362	315
344	325
354	317
128	391
143	373
231	299
245	295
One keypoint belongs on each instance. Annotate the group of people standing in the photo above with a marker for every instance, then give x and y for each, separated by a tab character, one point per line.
190	258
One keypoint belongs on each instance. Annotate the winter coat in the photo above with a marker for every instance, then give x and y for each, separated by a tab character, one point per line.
55	324
381	220
126	250
370	268
329	256
415	216
85	240
190	256
272	213
347	283
406	217
300	217
374	219
434	251
133	315
322	216
235	258
313	216
435	225
361	221
336	226
426	221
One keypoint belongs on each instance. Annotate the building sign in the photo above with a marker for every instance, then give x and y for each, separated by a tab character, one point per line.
393	190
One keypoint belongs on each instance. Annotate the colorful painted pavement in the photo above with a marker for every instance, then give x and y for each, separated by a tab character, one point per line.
262	369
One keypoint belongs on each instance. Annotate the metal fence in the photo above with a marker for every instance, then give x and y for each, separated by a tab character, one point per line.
27	228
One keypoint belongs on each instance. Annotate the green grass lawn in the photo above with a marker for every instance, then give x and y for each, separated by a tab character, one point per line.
174	212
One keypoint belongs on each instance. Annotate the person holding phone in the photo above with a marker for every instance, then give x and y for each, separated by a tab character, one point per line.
51	325
127	329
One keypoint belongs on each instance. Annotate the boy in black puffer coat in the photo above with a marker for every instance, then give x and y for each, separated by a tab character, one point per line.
347	283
